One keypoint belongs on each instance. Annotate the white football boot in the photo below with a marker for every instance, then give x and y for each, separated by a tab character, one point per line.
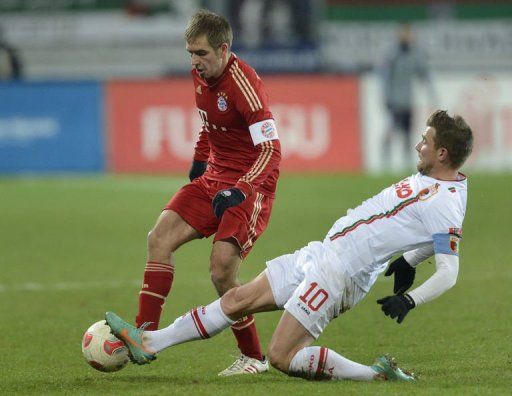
245	365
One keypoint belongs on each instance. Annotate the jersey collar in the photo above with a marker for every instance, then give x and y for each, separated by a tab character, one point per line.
461	177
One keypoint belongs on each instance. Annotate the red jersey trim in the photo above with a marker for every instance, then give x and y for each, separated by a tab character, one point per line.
390	213
245	87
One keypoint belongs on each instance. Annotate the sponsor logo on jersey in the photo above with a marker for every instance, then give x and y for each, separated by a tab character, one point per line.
267	130
304	309
222	101
403	188
454	244
429	192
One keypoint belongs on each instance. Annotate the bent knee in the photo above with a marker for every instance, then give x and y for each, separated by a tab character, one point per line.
278	358
236	303
156	238
161	240
281	353
223	278
152	236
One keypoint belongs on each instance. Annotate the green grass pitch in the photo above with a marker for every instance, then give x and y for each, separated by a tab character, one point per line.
72	248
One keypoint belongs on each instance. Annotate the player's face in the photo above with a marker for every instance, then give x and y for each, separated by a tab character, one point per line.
208	61
427	151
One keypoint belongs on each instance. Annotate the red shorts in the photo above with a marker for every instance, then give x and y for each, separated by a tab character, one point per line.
245	222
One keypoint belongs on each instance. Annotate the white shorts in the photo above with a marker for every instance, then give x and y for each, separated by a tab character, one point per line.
311	287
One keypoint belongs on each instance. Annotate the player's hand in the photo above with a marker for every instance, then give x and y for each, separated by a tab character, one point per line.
397	306
404	275
225	199
197	169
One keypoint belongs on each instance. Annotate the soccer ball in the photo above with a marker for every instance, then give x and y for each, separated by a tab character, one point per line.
102	350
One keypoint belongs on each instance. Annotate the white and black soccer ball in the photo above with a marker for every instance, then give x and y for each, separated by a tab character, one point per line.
103	350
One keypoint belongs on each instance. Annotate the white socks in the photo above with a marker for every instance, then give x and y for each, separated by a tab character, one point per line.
314	363
200	322
317	363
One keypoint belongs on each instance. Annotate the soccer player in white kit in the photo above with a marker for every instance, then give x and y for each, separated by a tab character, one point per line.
421	216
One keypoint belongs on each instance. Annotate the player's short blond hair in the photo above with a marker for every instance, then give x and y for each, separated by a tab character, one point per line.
215	27
454	134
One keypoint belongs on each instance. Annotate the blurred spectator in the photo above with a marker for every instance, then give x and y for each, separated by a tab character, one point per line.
276	23
10	63
138	8
404	63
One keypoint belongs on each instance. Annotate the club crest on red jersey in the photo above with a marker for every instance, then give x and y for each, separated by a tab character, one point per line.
267	130
222	101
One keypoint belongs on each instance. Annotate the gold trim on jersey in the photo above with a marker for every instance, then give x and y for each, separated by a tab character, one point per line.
267	149
246	87
252	223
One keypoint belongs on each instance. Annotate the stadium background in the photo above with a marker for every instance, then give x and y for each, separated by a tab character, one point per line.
99	134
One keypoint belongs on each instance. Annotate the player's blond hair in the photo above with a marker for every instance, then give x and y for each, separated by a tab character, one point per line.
215	27
454	134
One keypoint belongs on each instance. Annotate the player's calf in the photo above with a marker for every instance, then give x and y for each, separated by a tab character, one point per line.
320	363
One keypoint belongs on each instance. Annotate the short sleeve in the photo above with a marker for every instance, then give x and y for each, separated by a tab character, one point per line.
442	214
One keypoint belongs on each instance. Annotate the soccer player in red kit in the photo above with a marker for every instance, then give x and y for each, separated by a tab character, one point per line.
233	181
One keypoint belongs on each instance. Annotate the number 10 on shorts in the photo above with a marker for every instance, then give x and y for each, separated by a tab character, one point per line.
314	297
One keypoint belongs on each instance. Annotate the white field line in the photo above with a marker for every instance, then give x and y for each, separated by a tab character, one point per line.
63	286
43	287
104	184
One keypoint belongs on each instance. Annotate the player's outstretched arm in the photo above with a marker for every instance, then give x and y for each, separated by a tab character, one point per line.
445	277
417	256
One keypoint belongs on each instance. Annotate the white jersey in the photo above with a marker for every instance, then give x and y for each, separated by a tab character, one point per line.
409	214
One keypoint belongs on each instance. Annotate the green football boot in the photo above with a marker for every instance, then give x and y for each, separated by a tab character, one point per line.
388	370
132	337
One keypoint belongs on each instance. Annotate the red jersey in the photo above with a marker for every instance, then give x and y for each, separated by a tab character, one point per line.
238	137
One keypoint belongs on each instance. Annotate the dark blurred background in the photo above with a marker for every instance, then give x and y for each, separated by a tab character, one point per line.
458	56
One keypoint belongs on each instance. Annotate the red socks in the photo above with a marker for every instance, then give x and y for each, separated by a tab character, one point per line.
158	279
157	284
247	337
